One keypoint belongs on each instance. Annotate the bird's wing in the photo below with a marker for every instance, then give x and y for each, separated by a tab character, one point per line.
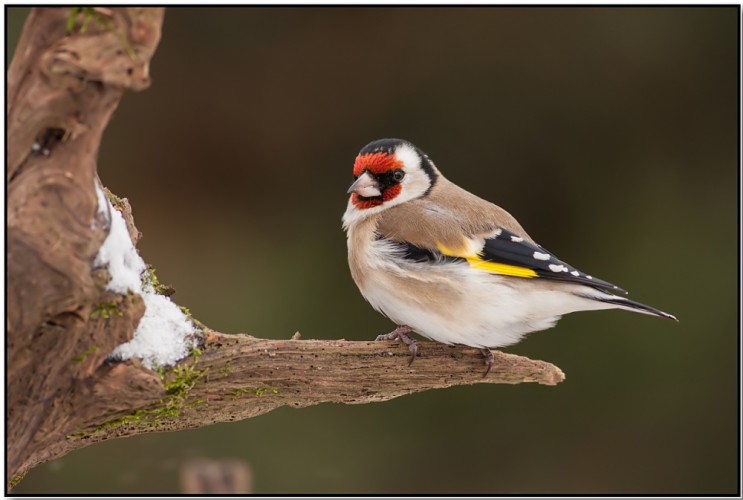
427	232
507	254
452	223
504	252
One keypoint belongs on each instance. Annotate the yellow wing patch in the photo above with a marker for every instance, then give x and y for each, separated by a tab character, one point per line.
474	260
466	251
505	269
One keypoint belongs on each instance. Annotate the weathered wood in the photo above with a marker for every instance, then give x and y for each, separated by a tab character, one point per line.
236	376
244	376
62	90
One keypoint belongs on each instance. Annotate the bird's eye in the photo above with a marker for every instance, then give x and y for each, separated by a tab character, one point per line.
398	175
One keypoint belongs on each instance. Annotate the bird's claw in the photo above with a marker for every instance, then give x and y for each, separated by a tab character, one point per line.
489	360
413	348
401	333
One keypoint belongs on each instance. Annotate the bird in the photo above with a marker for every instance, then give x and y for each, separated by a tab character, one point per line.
450	266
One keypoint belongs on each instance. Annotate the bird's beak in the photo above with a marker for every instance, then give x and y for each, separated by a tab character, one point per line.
365	185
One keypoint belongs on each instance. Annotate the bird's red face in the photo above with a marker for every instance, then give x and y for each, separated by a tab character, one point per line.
387	173
378	178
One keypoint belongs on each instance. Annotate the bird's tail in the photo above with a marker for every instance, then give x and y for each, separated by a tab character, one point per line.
631	305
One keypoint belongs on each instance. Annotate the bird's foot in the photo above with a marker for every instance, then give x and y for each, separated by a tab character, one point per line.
489	360
401	333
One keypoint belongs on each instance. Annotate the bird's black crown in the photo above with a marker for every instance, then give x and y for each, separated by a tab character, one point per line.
387	146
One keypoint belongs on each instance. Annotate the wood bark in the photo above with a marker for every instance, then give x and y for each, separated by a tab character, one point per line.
62	393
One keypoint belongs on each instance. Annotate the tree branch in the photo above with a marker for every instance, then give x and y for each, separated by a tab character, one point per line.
64	395
237	376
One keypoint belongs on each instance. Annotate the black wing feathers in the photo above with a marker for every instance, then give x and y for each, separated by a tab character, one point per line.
418	254
509	248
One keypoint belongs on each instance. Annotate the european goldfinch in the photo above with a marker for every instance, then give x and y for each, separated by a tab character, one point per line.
439	261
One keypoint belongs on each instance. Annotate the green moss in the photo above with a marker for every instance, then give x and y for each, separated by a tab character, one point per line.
105	310
149	278
134	418
90	14
180	380
87	352
17	479
193	320
236	393
177	382
117	202
260	391
226	369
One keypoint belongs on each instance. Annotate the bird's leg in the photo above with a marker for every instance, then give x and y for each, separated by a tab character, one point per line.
489	360
401	333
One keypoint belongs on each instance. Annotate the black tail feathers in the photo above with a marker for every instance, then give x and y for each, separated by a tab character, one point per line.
631	305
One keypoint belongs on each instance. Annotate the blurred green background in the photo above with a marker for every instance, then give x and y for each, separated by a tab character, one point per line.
610	133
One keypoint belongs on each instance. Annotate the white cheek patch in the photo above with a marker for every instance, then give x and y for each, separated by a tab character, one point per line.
416	182
408	157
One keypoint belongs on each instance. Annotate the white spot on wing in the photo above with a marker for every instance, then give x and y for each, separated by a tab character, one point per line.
517	239
541	256
589	277
556	268
575	273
